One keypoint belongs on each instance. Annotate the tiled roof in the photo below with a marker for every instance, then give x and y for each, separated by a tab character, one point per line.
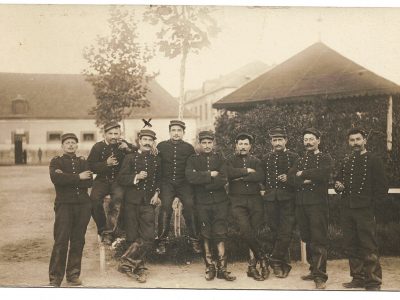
69	96
317	71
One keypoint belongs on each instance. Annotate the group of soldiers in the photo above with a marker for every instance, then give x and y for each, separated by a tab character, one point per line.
282	188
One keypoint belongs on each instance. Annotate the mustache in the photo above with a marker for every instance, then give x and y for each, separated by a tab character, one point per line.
146	145
308	145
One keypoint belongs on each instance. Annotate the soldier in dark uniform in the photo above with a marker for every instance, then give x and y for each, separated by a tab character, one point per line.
362	182
311	176
174	154
279	201
71	178
206	171
105	159
140	174
245	175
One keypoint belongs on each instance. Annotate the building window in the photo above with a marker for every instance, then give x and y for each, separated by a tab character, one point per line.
88	136
54	136
205	111
201	112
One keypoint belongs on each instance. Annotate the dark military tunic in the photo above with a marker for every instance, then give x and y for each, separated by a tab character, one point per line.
98	156
139	214
275	164
312	208
365	185
210	195
279	205
72	215
174	155
106	184
246	201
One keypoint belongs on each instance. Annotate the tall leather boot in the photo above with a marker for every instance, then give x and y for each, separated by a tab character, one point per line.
164	221
127	263
252	270
222	272
264	263
191	225
210	267
140	272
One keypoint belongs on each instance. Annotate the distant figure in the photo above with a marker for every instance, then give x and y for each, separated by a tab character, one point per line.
40	153
24	157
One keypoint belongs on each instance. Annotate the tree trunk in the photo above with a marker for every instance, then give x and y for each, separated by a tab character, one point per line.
182	84
182	74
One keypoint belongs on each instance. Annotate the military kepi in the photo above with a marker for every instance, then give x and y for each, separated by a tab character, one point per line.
245	135
177	123
111	125
66	136
147	132
277	132
206	134
356	130
313	131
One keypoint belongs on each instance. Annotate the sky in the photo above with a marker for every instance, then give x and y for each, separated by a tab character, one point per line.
51	39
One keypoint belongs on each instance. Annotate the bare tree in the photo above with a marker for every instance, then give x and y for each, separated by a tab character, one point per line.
183	30
117	69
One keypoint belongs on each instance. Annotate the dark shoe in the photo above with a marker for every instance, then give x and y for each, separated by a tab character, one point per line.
354	284
224	274
320	285
196	247
373	288
53	284
161	247
308	277
265	272
264	267
141	275
278	272
74	282
210	272
253	272
285	270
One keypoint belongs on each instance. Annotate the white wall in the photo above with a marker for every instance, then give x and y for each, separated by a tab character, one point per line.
207	123
37	131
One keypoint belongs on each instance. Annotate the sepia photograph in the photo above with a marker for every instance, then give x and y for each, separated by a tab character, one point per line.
188	147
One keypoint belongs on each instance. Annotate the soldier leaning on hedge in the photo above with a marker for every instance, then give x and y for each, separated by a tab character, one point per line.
279	201
362	182
71	178
311	176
